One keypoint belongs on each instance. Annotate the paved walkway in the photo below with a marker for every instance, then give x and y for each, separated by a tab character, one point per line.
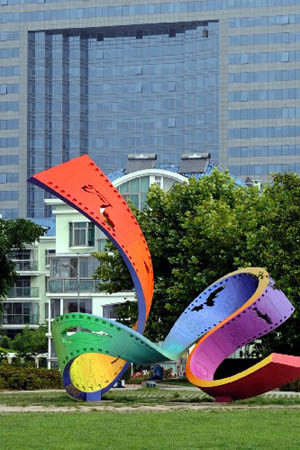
144	408
130	387
274	394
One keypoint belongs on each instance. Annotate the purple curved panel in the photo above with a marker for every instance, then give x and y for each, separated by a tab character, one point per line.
210	308
264	315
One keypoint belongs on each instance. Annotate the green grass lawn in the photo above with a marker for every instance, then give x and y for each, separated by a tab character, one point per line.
211	430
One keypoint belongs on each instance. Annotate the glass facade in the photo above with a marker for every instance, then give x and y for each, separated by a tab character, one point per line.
264	151
168	77
149	9
259	95
268	76
258	170
264	57
119	91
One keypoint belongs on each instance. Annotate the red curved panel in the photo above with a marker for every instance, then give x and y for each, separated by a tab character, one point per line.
76	182
84	186
276	370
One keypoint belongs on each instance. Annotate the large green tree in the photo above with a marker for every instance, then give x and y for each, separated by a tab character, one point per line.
194	233
31	342
201	230
14	235
275	244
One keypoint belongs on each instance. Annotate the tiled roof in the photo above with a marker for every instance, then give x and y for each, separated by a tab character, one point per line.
115	175
175	169
48	223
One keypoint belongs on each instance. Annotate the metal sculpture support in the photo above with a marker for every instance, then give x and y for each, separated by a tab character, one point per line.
232	312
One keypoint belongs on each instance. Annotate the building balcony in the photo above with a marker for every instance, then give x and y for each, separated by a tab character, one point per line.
20	319
71	286
26	265
23	292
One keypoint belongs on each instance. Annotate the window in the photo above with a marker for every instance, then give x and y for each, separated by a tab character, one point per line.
55	307
48	253
71	305
9	178
46	311
9	213
54	364
244	58
171	86
171	122
21	313
82	234
22	288
9	53
138	87
23	255
9	195
23	261
136	191
244	96
101	244
158	181
111	311
64	267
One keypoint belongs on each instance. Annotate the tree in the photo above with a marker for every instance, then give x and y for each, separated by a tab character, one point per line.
275	244
5	342
14	234
31	342
194	233
203	230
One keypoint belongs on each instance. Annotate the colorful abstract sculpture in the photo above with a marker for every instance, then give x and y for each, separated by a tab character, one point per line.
93	352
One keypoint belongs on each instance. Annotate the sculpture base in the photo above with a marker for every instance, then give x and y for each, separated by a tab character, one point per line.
224	399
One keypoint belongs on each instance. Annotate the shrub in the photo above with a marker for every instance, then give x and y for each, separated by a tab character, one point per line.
3	356
27	378
138	379
168	374
292	386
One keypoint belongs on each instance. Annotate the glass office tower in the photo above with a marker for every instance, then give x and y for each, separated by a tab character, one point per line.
115	91
113	78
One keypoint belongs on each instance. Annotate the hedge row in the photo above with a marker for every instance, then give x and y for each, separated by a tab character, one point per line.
25	378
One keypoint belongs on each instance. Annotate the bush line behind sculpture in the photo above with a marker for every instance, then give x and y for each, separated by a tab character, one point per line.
232	312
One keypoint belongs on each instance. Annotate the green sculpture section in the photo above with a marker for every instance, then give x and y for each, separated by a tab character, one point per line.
100	335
